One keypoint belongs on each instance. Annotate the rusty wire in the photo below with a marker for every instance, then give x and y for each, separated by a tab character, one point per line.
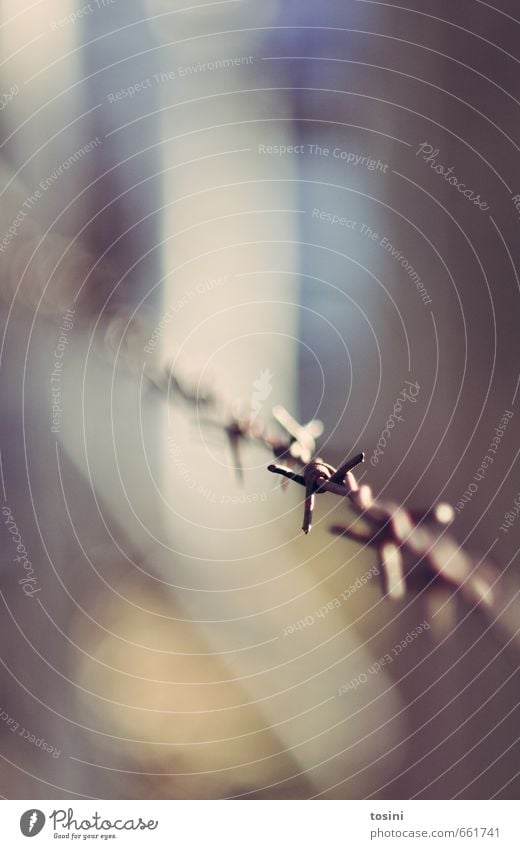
412	546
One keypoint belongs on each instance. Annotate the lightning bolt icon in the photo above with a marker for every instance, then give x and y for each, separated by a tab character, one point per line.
33	819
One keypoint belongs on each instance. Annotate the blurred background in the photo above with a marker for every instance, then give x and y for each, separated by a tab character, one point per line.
313	205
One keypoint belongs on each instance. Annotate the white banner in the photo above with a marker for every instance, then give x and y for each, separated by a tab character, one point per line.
260	824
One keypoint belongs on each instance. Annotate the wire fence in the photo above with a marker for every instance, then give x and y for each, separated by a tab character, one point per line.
414	549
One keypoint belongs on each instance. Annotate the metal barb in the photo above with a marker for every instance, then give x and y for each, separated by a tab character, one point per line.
318	476
412	546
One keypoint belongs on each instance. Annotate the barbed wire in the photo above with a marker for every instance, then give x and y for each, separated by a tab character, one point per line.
412	545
